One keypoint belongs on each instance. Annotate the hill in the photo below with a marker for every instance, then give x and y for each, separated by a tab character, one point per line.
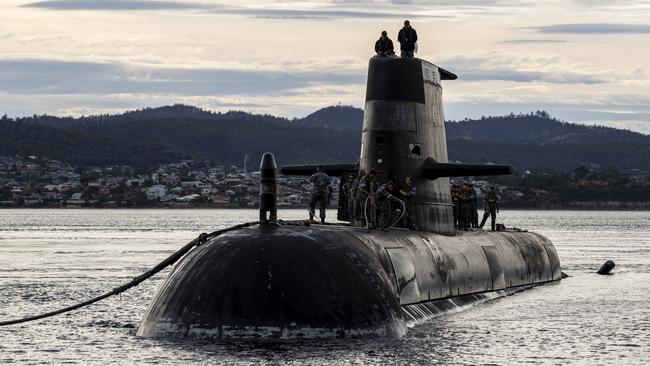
80	148
540	129
335	117
228	137
558	157
530	142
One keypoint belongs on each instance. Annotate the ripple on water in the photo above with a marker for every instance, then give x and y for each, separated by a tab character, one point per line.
52	258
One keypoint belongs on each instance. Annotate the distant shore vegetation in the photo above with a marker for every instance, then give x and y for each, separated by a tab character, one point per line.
183	156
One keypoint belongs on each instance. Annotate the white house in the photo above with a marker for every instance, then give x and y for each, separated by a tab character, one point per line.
76	199
156	192
188	198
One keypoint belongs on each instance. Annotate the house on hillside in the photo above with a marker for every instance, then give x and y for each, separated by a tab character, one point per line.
156	192
33	199
76	199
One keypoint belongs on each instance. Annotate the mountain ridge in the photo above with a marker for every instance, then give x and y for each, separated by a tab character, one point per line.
330	134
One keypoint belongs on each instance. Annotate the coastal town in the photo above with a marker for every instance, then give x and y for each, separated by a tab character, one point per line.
37	182
30	181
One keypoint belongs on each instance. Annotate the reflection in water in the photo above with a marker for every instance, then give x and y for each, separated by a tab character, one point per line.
52	258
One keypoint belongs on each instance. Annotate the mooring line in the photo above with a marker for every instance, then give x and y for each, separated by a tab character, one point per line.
137	280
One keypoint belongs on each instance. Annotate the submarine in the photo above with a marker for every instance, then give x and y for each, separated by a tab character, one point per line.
302	279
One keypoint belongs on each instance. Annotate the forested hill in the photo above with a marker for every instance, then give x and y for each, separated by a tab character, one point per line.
80	148
332	134
538	128
335	117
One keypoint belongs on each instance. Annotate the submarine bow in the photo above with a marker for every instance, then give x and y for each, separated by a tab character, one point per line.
276	282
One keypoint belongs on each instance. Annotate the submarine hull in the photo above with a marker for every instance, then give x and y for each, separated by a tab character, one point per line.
332	281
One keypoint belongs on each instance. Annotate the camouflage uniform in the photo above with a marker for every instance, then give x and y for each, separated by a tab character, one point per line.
473	207
455	200
352	198
465	208
382	205
319	194
491	207
365	192
408	195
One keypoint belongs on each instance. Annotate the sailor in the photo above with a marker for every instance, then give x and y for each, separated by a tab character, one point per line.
407	37
384	46
455	200
383	198
465	207
407	194
344	194
319	193
352	198
491	207
473	207
365	198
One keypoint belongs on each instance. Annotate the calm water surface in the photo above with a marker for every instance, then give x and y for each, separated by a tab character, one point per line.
53	258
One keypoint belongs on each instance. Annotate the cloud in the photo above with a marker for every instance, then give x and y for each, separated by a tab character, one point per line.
111	5
65	77
519	68
595	28
523	41
328	11
453	2
529	76
62	87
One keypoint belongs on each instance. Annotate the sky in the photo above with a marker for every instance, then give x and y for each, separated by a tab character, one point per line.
582	61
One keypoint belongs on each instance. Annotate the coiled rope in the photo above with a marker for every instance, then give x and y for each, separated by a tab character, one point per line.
390	197
137	280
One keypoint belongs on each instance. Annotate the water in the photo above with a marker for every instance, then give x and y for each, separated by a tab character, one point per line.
52	258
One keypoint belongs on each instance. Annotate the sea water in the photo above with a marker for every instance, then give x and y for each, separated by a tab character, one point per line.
51	258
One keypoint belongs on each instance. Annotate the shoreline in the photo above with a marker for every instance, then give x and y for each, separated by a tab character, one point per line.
296	207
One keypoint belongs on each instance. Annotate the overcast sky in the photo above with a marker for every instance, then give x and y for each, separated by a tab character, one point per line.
582	61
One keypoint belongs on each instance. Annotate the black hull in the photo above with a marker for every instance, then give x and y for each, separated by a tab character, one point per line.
332	281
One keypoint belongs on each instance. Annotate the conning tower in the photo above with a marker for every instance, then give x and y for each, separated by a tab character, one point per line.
404	127
404	135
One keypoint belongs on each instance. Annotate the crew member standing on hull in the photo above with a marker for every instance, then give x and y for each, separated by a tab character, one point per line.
384	207
465	207
407	193
344	194
319	193
365	198
407	37
473	207
455	200
384	46
491	207
352	198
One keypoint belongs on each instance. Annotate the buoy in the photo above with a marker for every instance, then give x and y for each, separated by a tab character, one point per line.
607	267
